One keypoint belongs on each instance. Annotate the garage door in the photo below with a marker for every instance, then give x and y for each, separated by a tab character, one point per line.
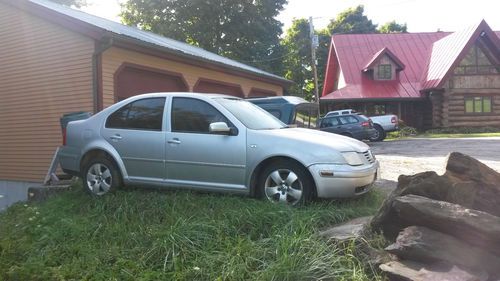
212	86
260	93
131	81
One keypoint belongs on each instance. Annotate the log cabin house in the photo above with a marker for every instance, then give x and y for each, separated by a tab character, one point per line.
430	80
55	60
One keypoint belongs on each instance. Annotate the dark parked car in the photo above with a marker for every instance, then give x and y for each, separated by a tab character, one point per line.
352	125
290	110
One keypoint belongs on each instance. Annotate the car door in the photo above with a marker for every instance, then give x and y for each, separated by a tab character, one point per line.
196	157
331	124
136	132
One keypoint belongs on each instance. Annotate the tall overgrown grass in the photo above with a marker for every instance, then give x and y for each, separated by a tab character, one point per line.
157	235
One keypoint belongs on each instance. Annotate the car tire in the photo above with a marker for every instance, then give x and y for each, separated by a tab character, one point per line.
379	135
286	182
100	176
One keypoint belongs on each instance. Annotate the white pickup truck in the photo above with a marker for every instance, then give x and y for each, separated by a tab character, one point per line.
383	123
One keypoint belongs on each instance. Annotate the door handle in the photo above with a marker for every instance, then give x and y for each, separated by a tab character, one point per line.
174	141
116	137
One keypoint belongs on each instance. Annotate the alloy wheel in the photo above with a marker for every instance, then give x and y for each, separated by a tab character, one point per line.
99	179
283	186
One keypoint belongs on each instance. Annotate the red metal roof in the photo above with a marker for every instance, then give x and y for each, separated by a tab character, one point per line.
427	57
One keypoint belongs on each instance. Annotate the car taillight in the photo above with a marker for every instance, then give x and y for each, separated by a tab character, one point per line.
64	136
394	120
366	124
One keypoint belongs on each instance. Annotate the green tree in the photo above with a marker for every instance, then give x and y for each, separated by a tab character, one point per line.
352	20
393	27
76	3
298	63
322	56
243	30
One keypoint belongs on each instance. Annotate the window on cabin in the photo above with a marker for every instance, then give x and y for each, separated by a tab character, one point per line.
478	105
384	72
476	62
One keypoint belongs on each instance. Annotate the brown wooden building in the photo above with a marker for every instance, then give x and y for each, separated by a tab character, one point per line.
56	60
436	79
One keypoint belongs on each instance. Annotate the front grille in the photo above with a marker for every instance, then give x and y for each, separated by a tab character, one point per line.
369	156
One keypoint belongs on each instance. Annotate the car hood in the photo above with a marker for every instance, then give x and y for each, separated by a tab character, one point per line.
305	145
320	138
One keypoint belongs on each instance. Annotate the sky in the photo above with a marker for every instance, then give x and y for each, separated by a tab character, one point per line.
419	15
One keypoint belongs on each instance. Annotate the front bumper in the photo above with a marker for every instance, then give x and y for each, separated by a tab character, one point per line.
346	181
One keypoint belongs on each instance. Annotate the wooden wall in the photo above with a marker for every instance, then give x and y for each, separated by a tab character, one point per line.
114	57
453	101
45	71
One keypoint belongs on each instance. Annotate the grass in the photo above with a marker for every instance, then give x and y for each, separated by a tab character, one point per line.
157	235
458	135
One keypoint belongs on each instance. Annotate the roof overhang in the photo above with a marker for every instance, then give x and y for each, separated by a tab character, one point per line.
370	100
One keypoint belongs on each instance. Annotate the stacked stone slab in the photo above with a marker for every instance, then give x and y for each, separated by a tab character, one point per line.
444	227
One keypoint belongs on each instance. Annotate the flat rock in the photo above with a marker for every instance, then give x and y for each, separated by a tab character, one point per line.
42	193
413	271
467	182
352	229
477	228
421	244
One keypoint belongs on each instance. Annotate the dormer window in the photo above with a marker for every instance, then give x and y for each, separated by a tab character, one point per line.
384	65
384	72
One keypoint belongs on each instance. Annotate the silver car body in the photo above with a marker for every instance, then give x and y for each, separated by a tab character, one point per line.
217	162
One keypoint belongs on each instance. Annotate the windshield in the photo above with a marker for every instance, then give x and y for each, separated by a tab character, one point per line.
252	116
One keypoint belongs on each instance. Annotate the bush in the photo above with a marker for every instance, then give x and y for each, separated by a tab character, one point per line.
404	131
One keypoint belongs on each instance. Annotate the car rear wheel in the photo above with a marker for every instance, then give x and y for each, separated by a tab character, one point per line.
100	176
379	134
286	183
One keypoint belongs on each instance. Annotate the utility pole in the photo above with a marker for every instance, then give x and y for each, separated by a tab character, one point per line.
314	45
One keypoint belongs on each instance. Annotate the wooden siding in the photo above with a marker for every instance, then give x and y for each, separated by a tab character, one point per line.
45	71
475	82
452	109
114	57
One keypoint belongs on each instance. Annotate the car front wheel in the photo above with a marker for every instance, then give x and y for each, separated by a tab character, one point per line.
286	183
100	176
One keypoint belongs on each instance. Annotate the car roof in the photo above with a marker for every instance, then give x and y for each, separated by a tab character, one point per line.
184	94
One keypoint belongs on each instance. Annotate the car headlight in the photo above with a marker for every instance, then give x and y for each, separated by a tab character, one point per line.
353	158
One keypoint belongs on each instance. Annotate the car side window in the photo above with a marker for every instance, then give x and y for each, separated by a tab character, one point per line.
194	116
144	114
348	120
329	122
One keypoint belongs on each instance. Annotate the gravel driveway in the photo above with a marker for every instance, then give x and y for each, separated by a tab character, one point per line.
411	156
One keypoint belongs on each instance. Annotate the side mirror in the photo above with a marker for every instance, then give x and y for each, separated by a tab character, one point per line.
220	128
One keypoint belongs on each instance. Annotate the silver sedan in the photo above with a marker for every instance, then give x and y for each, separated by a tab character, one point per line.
215	143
